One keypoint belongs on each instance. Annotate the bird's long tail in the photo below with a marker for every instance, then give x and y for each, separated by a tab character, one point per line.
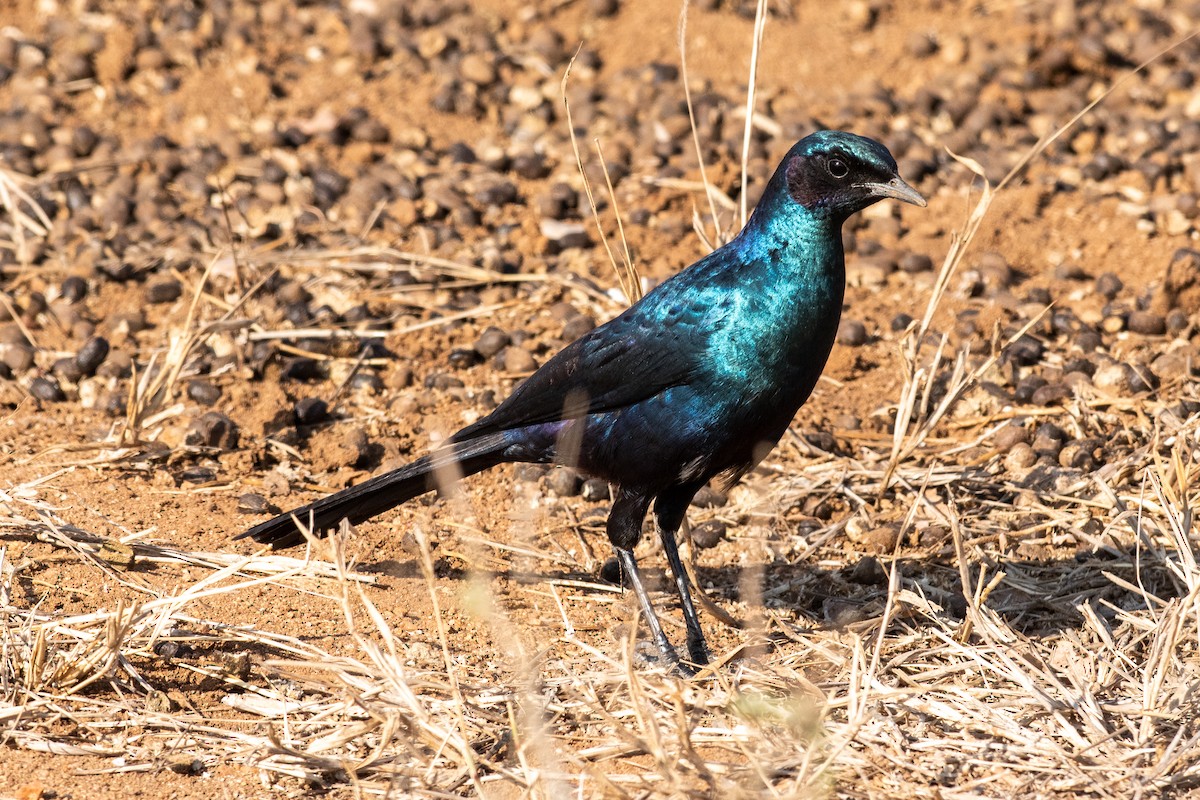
382	492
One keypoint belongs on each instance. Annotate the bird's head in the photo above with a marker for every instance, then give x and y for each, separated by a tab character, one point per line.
835	174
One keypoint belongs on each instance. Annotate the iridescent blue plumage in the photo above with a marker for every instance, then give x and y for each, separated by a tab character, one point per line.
700	378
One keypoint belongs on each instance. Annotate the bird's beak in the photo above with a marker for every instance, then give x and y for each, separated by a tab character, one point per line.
896	188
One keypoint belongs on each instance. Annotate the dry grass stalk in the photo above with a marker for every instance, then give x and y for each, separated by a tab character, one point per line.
632	278
718	236
27	219
626	272
159	383
760	24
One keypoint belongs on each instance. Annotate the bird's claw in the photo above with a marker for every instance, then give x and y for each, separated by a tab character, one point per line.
648	653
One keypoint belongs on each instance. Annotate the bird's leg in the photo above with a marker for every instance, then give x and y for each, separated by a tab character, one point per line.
665	648
624	531
669	511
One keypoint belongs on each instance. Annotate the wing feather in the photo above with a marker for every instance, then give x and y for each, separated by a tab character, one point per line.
617	365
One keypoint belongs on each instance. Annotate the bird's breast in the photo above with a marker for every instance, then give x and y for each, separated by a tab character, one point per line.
773	338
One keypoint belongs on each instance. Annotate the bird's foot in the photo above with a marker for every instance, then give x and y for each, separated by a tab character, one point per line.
698	653
685	670
657	655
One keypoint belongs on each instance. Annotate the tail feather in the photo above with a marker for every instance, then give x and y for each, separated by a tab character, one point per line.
383	492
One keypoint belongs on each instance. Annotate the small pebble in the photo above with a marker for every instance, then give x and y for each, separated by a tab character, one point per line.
74	289
369	382
852	333
1080	365
67	369
1180	363
17	357
443	381
1109	285
92	355
916	262
1044	445
130	320
868	571
1142	379
302	369
1146	323
1020	457
1051	430
875	538
1069	271
596	489
1039	295
1113	323
1026	350
1084	454
253	503
603	8
344	448
119	364
1051	394
531	165
847	422
1177	320
840	612
824	441
477	68
44	388
1076	379
577	326
198	475
203	392
517	359
1113	377
167	290
1089	341
563	311
921	45
708	497
529	472
564	235
491	342
464	357
564	481
869	272
212	429
995	270
708	534
1180	287
1027	387
310	410
1010	436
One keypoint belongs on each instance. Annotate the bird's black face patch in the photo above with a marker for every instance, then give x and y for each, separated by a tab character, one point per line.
818	180
835	180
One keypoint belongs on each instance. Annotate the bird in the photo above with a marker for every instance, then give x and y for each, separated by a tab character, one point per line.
696	381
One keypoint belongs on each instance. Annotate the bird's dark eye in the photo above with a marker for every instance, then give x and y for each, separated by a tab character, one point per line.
837	168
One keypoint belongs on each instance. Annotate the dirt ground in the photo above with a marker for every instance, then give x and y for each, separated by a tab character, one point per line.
239	92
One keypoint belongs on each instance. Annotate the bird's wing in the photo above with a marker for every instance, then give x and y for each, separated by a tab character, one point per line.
628	360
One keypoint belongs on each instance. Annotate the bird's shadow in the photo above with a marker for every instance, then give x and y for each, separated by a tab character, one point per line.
1036	597
406	569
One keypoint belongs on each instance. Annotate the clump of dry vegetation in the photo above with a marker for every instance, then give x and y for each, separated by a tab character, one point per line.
1060	676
